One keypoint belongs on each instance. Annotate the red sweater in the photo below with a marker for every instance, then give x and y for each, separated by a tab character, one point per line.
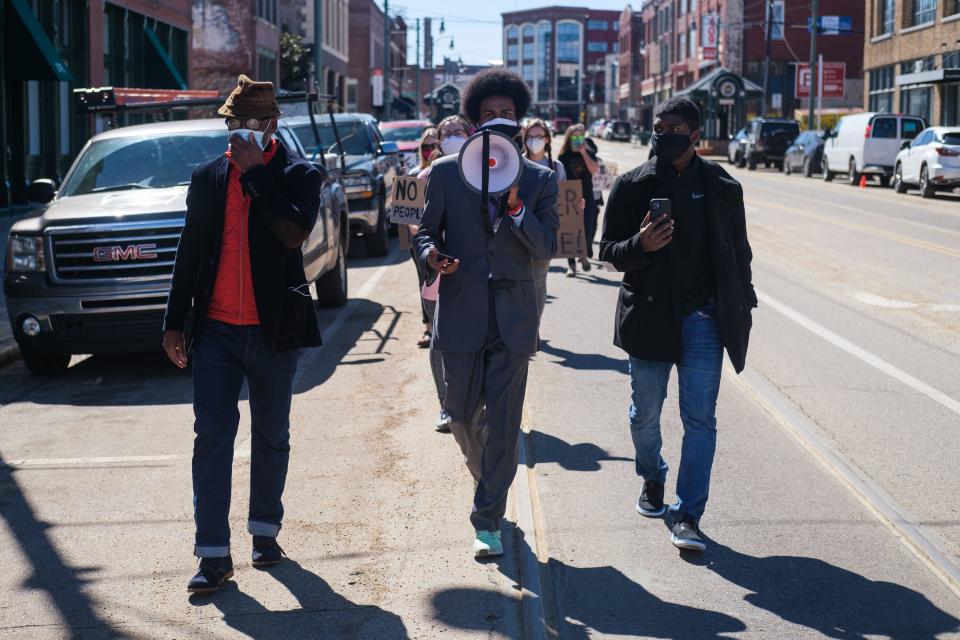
233	300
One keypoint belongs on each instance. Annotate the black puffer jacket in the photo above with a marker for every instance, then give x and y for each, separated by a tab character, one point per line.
648	311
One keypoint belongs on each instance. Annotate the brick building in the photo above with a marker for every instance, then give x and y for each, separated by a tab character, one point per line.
51	48
297	16
231	37
366	65
912	59
561	53
630	67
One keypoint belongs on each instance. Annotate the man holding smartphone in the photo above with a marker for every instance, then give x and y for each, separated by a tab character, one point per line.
676	227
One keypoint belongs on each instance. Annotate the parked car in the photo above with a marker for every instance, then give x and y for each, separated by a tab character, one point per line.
867	144
372	164
804	154
767	140
617	130
560	125
931	161
89	271
406	133
735	148
596	127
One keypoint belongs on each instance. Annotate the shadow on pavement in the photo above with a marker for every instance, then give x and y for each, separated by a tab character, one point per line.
829	599
150	380
584	361
323	613
49	573
584	456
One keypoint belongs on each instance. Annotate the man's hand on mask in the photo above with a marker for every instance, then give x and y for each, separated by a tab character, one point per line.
247	153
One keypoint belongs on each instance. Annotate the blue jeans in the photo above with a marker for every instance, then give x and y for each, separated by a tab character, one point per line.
699	379
226	354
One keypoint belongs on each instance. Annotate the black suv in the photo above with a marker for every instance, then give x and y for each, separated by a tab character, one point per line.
767	141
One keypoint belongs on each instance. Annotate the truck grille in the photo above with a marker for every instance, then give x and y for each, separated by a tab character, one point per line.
117	252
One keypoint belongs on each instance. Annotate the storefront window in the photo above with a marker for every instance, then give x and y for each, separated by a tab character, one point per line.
916	102
544	77
881	89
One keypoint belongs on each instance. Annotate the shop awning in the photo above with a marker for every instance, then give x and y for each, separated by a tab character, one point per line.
701	88
29	53
936	76
159	60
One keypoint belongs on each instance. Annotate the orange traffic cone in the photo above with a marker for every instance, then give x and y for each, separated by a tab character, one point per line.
863	181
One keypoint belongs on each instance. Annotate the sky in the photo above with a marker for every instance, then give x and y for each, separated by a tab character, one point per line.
474	24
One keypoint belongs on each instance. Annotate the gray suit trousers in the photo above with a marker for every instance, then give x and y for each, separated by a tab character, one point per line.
485	392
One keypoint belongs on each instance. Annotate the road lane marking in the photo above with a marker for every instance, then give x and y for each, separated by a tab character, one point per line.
890	303
860	353
889	235
93	461
896	519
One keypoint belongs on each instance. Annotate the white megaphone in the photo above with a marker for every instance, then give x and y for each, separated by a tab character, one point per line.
501	159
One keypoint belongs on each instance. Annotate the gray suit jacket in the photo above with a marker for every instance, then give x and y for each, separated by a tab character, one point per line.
453	224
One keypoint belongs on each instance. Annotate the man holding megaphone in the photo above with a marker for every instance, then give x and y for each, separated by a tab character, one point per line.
489	213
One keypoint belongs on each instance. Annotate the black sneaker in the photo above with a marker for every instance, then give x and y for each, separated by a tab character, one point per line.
213	573
266	551
685	534
650	503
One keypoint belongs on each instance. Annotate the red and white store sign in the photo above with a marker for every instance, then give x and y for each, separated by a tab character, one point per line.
834	74
710	35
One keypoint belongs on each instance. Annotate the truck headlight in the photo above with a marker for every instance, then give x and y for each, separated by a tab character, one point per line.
358	185
25	253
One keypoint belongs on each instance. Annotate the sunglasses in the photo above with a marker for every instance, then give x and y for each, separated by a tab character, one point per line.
245	123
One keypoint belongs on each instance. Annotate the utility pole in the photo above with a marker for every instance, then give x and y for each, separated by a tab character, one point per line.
387	71
814	85
318	79
417	67
766	59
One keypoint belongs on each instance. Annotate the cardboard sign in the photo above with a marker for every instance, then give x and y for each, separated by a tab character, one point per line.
407	200
603	181
571	237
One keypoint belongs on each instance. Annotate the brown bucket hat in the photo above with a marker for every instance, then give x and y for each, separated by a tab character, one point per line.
251	99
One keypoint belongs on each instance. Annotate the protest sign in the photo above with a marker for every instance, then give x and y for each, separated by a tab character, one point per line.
603	180
407	200
571	237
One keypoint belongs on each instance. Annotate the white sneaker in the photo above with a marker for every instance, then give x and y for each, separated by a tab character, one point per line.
443	422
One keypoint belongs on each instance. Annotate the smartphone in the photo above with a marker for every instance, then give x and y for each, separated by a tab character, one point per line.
660	210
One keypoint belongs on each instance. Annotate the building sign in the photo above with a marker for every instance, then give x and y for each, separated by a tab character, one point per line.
376	87
625	90
834	74
710	36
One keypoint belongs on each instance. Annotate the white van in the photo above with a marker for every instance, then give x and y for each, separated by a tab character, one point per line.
867	144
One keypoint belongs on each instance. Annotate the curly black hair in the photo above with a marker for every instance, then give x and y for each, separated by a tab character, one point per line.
495	82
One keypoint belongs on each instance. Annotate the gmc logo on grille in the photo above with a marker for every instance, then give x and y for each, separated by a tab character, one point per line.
129	252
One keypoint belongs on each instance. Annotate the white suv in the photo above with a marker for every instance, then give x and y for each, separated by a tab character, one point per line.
931	161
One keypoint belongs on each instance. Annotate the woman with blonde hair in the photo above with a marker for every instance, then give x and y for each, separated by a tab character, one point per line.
581	164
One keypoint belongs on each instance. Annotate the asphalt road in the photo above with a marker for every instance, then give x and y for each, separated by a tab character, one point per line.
833	511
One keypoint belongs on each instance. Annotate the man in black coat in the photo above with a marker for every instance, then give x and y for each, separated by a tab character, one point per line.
686	296
239	278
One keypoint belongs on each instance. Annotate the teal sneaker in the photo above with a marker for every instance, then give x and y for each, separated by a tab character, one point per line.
487	544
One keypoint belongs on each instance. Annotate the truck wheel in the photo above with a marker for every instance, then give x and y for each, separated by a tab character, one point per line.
807	169
741	160
785	167
853	176
898	184
378	242
332	286
43	363
752	162
827	174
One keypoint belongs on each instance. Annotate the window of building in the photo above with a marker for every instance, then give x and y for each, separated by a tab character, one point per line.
569	49
951	60
776	19
266	64
616	47
881	89
918	65
527	51
886	11
950	109
513	33
528	32
693	6
568	43
682	47
544	66
924	11
597	25
916	101
512	51
267	9
597	47
693	41
953	7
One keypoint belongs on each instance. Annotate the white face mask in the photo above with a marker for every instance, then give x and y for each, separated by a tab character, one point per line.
257	136
451	145
536	145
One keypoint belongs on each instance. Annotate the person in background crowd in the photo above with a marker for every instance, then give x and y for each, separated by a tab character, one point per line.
451	134
687	295
597	193
239	275
581	164
486	322
425	151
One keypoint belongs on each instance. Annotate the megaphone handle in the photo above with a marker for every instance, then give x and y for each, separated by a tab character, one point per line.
485	181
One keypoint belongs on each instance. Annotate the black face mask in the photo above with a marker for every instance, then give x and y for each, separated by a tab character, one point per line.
670	146
509	128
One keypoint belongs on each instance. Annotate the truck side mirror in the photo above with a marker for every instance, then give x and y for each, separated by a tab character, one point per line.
387	148
41	191
905	145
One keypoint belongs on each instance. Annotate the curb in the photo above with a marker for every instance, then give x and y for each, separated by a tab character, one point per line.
9	354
